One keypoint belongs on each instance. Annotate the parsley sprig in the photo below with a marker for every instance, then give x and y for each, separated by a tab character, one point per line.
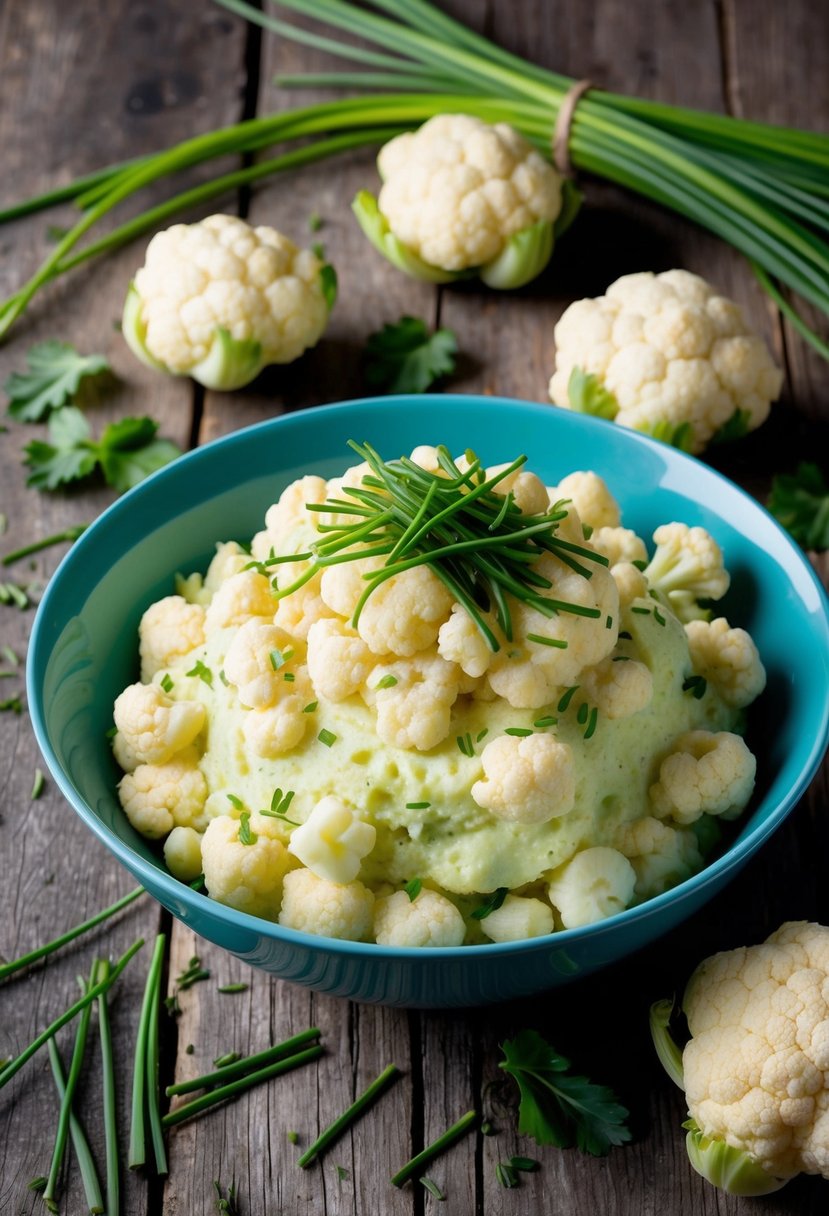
475	540
126	452
406	358
800	502
52	379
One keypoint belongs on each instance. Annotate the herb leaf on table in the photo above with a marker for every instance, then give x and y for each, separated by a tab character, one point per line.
55	371
406	358
557	1107
126	452
800	502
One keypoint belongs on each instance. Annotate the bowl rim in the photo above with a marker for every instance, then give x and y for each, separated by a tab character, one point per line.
176	891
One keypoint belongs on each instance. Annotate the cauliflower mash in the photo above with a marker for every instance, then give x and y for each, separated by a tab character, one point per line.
386	767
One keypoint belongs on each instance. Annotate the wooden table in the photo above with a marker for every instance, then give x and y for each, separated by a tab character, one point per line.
85	84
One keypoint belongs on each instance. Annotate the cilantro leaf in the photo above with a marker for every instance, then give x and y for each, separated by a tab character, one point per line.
800	502
557	1107
55	371
406	358
588	395
126	453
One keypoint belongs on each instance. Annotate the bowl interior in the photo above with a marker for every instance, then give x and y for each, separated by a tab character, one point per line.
84	646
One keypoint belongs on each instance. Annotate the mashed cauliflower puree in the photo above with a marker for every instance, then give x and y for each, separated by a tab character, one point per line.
405	782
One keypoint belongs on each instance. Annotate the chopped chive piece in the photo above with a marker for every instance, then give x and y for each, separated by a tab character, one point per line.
591	725
293	1137
243	1065
70	534
545	641
641	611
640	564
453	1133
111	733
167	682
621	658
226	1203
277	659
487	1129
189	1049
549	720
608	624
204	673
188	1109
230	988
432	1187
10	593
413	888
38	1184
194	974
289	677
567	698
235	802
527	1165
318	250
224	678
418	806
492	904
335	1130
171	1004
506	1175
12	704
587	531
696	685
386	682
520	731
230	1057
327	737
38	785
246	833
465	744
583	711
342	1172
11	658
658	617
310	707
482	734
624	636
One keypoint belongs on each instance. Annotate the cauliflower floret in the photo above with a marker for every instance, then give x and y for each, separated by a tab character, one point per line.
416	710
527	780
705	773
240	598
662	856
517	919
275	729
151	727
182	854
316	905
672	352
456	190
596	883
619	689
460	641
297	612
528	491
339	661
619	545
592	499
686	567
631	583
157	797
218	300
248	877
169	630
728	659
403	615
229	559
289	515
333	841
428	920
257	661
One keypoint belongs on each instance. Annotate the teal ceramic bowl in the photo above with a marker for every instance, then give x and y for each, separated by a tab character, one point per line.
84	651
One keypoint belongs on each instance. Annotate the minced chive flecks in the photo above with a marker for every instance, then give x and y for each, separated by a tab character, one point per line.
293	1137
204	673
389	1074
608	623
567	697
38	785
38	1184
246	832
387	682
327	737
194	973
520	732
310	707
229	1057
10	657
624	636
640	564
506	1175
658	617
621	658
582	713
491	904
696	685
482	734
11	593
223	677
418	806
641	611
432	1187
465	744
342	1172
541	723
413	888
453	1133
167	682
236	802
277	659
12	705
587	531
559	643
592	722
231	988
289	677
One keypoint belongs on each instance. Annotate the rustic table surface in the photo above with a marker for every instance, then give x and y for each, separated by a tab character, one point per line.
87	83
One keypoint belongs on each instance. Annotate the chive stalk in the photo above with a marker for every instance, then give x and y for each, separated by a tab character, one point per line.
110	1102
237	1067
453	1133
68	534
188	1109
65	1113
153	1099
389	1074
86	1162
142	1097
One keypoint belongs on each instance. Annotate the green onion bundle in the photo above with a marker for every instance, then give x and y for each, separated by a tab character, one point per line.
763	189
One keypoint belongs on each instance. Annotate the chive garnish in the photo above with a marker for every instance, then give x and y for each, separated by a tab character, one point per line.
230	1057
10	657
335	1130
641	611
487	1129
293	1137
465	744
624	636
204	673
342	1172
506	1175
189	1049
289	677
696	685
223	1092
567	698
226	1203
418	806
231	988
591	725
453	1133
310	707
482	734
640	564
144	1097
658	617
246	833
241	1066
549	720
545	641
432	1187
111	733
277	659
37	1184
110	1103
167	682
492	904
527	1165
193	974
386	682
413	888
38	785
583	711
621	658
70	534
235	802
224	678
327	737
520	731
608	624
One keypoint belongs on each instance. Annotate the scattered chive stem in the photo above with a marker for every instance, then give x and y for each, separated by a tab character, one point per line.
432	1187
152	1062
69	534
137	1154
231	988
86	1162
453	1133
25	960
389	1074
16	1064
110	1101
188	1109
236	1066
38	785
65	1113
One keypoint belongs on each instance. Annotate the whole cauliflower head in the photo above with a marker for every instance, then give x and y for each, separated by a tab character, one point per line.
728	659
151	727
169	630
527	780
705	773
455	193
592	885
672	352
316	905
159	797
428	920
245	876
218	300
757	1065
